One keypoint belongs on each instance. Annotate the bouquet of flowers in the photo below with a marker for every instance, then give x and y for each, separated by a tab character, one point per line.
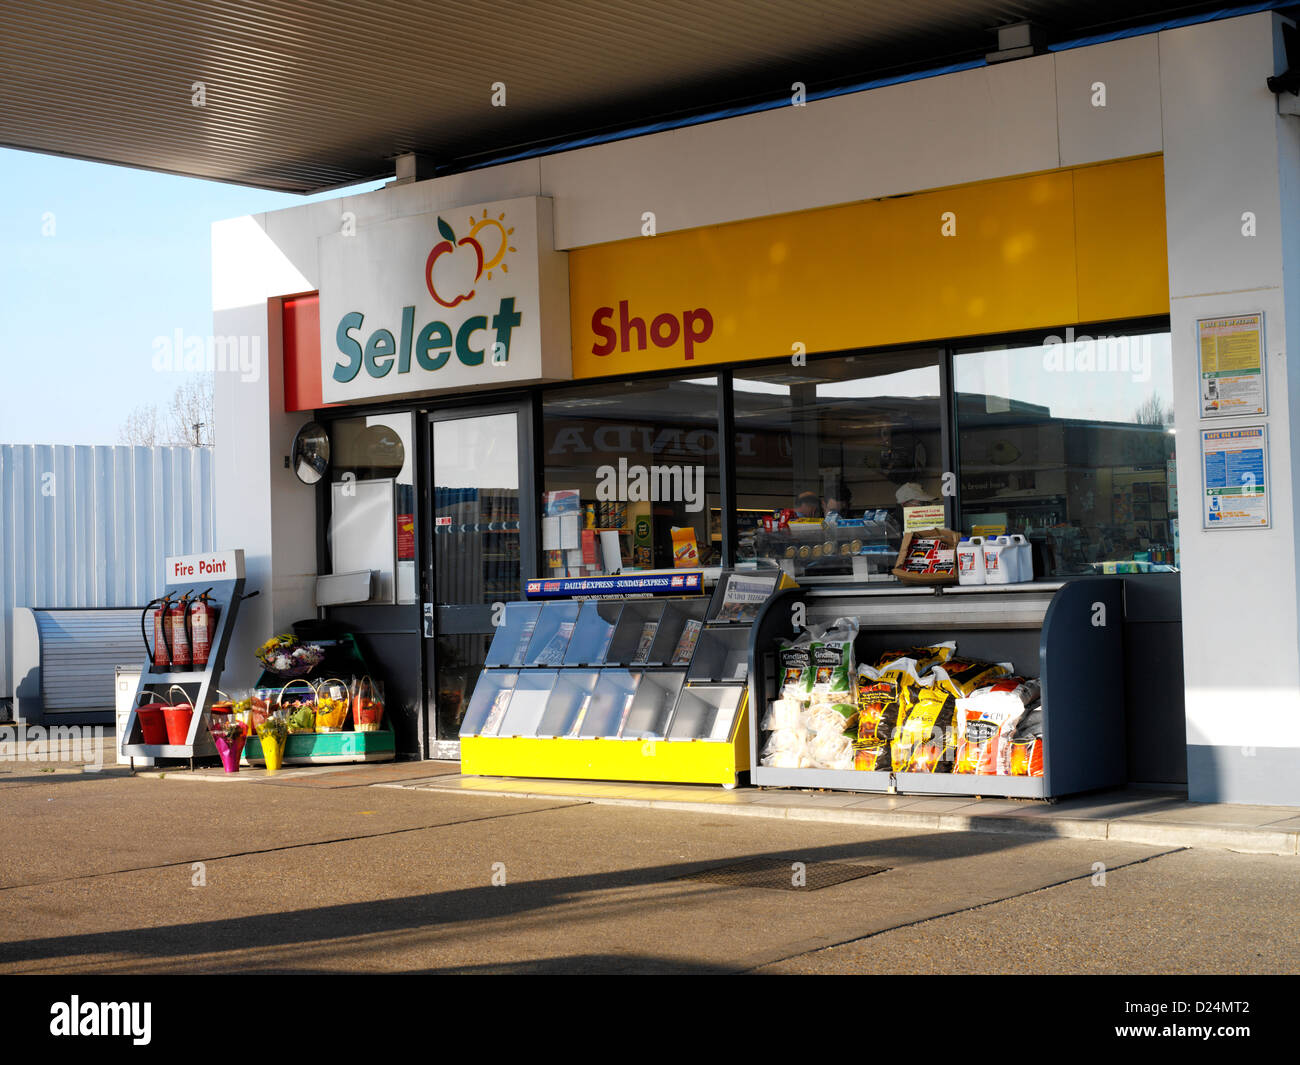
287	656
272	732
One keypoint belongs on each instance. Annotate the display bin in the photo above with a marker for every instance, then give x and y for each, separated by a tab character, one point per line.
635	636
551	636
1069	635
592	633
511	639
618	689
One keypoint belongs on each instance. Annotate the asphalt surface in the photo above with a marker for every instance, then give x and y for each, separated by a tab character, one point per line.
112	874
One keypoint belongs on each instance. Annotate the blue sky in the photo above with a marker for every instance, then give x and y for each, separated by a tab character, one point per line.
128	260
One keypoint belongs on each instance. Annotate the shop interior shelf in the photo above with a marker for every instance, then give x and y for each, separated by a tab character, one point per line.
705	712
1068	635
592	633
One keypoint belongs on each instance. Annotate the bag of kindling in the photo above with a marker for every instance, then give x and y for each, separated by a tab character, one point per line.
794	659
834	678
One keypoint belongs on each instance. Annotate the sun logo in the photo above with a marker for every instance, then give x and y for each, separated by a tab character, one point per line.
455	266
494	238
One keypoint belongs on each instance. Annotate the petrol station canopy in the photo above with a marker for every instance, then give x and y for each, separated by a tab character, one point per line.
306	95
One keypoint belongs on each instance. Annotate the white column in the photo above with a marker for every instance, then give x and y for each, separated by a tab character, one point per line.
260	505
1229	157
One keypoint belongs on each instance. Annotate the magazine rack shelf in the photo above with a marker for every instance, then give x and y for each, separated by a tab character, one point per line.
642	689
1069	635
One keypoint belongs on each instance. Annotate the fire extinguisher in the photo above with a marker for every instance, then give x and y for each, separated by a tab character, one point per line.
160	654
203	623
178	625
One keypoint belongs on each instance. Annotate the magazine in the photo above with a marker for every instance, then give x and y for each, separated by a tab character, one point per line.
648	629
686	645
553	653
743	597
496	712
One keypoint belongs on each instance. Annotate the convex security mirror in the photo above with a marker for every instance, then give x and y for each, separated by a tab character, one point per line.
311	453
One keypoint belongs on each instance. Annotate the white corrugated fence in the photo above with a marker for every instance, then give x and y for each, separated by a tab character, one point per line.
91	526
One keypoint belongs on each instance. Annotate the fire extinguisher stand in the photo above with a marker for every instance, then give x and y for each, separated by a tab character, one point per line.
223	572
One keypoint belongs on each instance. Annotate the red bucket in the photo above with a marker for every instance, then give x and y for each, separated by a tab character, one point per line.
178	724
152	724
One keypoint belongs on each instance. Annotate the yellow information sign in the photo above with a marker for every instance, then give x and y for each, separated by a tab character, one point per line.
1232	365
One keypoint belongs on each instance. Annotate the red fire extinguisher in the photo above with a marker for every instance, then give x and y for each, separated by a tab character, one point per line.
203	623
160	653
178	625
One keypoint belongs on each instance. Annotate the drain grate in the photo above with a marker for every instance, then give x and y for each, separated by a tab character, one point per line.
784	874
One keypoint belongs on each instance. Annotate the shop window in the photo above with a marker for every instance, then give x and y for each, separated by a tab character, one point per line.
372	503
828	456
1071	442
631	477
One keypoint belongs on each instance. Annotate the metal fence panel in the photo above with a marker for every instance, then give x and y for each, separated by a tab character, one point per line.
90	526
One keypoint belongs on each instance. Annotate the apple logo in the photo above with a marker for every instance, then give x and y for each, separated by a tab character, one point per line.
454	267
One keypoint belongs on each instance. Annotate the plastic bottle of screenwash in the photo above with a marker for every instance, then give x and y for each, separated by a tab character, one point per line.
970	560
998	561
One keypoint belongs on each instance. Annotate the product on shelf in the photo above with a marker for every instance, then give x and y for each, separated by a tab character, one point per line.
814	723
686	643
961	676
986	721
928	557
921	658
924	741
1027	746
795	662
834	675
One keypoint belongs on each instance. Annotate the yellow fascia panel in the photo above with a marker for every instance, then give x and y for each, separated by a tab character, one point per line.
1123	256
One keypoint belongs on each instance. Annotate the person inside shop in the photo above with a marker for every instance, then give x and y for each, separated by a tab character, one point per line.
806	505
838	503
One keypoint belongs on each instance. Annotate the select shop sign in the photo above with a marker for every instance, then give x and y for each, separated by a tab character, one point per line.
466	297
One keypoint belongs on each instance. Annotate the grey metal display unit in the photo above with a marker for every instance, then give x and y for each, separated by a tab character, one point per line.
200	684
1069	635
636	670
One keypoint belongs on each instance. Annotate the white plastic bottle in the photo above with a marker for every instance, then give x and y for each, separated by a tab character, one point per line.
997	561
1024	557
970	560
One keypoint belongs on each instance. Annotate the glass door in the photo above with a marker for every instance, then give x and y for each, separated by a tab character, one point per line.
481	500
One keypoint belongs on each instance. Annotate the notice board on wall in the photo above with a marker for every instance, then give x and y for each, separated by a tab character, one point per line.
363	531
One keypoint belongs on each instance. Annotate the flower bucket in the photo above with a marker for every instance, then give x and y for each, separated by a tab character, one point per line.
178	717
300	712
152	724
367	710
272	734
230	751
272	752
331	705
